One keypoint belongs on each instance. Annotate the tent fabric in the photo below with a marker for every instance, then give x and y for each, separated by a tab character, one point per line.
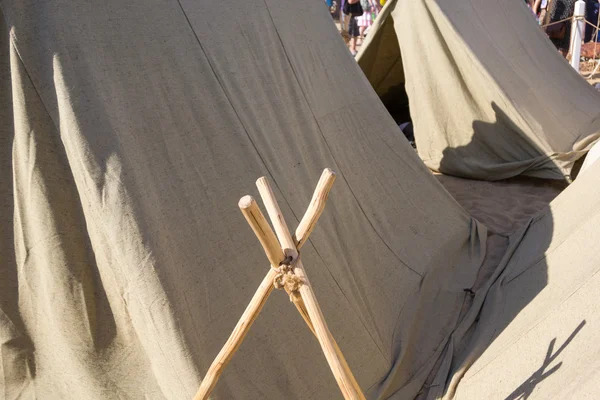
128	132
591	157
537	336
481	81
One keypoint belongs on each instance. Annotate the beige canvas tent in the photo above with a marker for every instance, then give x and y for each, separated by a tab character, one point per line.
129	130
490	97
132	129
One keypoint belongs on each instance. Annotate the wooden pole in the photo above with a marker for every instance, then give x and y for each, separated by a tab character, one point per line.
303	231
315	208
271	246
299	303
237	336
265	234
267	238
342	374
262	230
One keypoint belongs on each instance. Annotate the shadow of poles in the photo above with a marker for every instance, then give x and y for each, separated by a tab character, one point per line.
526	388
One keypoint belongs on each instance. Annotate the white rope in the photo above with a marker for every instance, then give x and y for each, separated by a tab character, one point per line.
596	31
557	22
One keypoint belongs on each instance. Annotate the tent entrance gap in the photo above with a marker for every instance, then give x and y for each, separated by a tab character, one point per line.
382	63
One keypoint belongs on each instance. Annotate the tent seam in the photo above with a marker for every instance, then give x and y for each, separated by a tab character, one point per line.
342	291
545	153
329	147
342	175
232	106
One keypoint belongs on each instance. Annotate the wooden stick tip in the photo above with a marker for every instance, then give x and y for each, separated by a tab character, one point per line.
329	171
246	202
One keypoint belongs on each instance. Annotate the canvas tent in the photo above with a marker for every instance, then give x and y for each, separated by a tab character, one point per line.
482	82
129	130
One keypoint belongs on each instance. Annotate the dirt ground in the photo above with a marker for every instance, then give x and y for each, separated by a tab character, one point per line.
586	68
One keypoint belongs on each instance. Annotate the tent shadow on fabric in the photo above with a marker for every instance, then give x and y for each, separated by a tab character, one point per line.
454	59
495	271
383	217
483	140
526	389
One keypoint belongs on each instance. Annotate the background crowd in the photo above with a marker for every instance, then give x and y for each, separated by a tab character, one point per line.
552	15
358	25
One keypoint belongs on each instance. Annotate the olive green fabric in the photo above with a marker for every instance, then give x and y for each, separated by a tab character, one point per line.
128	132
490	97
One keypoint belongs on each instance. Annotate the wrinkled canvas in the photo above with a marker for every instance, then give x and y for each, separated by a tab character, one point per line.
490	97
128	132
130	129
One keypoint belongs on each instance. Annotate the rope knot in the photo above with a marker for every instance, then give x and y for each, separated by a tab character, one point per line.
286	278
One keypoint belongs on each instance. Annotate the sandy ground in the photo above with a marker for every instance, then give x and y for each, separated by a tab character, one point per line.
503	206
586	68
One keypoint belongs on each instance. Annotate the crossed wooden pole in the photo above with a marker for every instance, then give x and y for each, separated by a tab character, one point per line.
286	272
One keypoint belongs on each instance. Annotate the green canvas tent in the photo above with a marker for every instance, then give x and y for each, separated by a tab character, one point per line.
489	95
130	129
128	132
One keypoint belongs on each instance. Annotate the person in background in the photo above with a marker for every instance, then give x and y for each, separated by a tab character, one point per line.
539	9
591	15
354	33
559	10
364	21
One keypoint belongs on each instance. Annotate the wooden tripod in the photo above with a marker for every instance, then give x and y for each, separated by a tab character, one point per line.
286	272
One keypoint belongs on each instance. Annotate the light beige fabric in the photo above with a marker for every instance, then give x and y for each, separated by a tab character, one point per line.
538	331
130	129
490	97
591	157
